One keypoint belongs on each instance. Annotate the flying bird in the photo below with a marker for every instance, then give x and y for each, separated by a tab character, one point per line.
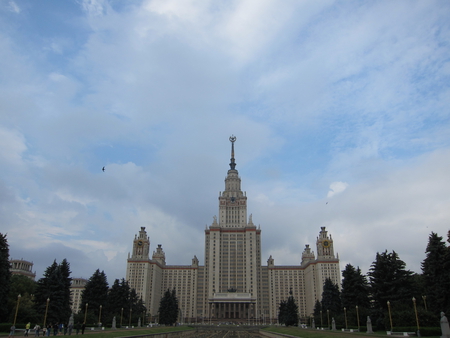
103	169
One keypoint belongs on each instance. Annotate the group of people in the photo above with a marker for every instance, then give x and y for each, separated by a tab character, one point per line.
57	328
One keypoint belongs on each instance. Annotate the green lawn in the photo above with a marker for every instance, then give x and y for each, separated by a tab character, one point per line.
309	333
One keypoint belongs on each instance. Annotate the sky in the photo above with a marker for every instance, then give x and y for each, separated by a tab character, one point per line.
341	111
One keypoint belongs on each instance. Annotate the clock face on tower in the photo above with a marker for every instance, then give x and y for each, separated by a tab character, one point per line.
326	244
233	199
140	243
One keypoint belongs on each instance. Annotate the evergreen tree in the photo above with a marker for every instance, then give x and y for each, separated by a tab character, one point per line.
55	285
318	313
95	294
435	276
331	298
355	289
5	276
168	308
118	299
390	281
288	311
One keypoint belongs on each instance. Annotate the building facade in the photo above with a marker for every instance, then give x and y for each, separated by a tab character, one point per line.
23	268
232	285
77	287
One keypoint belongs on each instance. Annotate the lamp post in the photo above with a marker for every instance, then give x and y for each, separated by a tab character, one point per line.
345	316
129	322
425	302
390	316
357	315
100	316
121	316
17	309
85	313
321	321
328	315
46	310
417	317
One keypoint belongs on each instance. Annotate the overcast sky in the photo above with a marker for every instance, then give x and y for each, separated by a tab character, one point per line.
341	111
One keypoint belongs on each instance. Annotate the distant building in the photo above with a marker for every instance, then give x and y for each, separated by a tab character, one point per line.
232	285
76	289
22	267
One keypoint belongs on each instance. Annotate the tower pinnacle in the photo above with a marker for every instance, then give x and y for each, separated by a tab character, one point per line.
232	163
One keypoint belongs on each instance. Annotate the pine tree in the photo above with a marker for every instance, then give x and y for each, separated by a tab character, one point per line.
318	319
288	311
168	308
55	286
5	276
435	276
118	299
95	294
331	298
390	281
355	289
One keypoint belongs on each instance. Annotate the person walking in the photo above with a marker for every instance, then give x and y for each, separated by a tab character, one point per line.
83	326
37	329
27	329
12	331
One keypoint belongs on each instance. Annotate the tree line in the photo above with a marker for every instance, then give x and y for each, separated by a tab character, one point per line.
390	294
49	298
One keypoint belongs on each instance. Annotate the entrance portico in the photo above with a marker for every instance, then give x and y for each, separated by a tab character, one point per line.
232	306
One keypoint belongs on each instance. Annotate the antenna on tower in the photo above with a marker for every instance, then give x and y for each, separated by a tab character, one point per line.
232	140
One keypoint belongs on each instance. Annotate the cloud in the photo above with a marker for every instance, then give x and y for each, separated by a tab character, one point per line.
336	188
13	7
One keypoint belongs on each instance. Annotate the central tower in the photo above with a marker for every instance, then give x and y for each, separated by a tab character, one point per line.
232	201
232	254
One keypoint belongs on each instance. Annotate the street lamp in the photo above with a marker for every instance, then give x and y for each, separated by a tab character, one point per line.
17	309
417	317
46	310
121	316
425	302
345	316
85	313
357	315
100	316
328	315
129	322
390	316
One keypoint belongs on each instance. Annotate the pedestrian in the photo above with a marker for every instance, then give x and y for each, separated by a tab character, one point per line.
55	329
77	327
83	326
37	328
12	331
70	328
65	326
27	329
49	329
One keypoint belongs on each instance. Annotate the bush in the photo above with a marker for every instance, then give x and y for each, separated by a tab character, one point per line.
430	331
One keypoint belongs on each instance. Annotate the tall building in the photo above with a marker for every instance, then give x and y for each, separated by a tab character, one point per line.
232	285
77	287
22	267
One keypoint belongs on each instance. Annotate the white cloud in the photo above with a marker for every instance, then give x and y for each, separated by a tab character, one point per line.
336	188
13	7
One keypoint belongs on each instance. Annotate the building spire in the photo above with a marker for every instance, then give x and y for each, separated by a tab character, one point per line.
232	163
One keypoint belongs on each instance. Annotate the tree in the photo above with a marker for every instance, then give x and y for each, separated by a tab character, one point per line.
168	308
318	313
118	299
355	292
331	298
5	276
435	276
55	286
288	311
24	286
390	281
95	294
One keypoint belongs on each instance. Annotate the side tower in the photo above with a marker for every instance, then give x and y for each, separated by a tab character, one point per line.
316	271
232	270
138	265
